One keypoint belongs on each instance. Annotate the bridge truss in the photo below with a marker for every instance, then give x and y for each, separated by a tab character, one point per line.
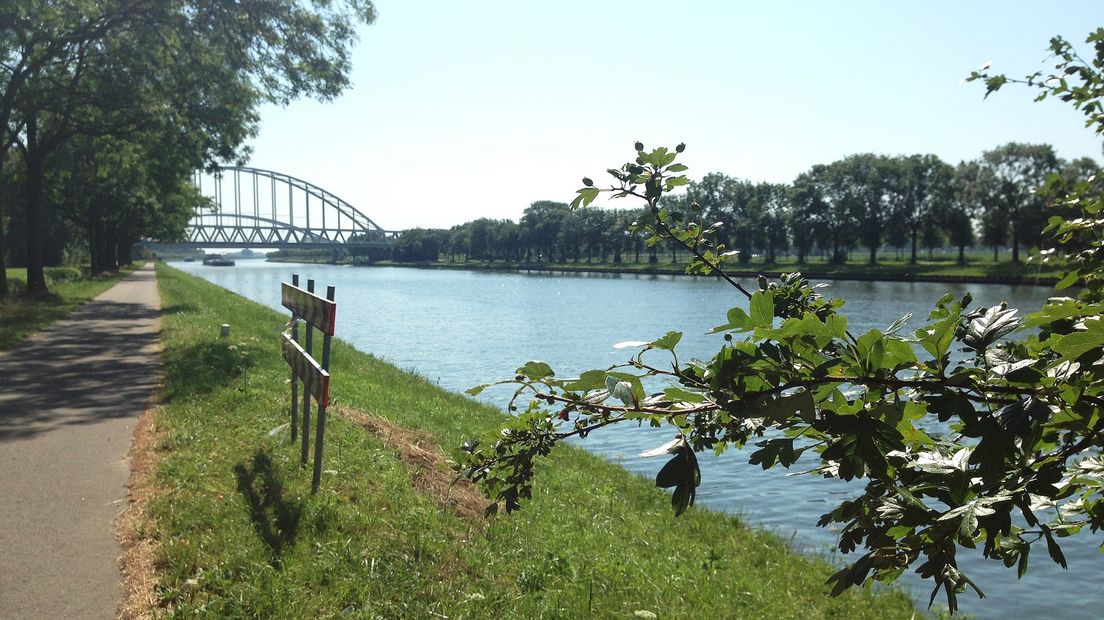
256	208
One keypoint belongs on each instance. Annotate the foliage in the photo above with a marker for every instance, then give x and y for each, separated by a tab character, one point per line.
173	84
963	436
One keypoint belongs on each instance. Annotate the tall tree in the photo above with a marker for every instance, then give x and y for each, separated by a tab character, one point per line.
957	215
207	56
808	208
773	216
924	184
1019	170
542	220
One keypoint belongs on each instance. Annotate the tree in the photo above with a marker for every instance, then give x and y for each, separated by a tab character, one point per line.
774	219
1019	170
837	225
925	184
74	67
808	208
959	433
957	214
860	184
542	221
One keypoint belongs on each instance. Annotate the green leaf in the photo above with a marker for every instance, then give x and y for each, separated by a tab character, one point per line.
677	168
837	323
680	394
995	323
738	321
1053	549
536	371
898	353
585	196
589	380
668	341
762	309
1073	346
785	408
1068	280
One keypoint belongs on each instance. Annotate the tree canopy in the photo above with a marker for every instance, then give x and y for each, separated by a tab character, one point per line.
174	85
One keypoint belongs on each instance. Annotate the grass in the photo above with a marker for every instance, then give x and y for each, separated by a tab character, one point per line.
237	533
21	316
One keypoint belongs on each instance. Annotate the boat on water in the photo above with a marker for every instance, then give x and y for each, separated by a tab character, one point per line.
218	260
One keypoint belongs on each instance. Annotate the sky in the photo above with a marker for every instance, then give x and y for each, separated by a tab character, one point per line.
461	110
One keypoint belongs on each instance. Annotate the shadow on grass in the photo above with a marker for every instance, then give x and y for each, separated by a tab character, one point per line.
275	518
203	366
179	309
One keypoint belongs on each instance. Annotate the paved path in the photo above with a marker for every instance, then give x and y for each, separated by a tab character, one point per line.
69	400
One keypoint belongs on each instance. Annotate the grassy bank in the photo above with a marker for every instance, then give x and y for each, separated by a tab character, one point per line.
22	316
237	533
981	270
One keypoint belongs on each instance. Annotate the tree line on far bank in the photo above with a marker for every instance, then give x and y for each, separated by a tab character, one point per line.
863	201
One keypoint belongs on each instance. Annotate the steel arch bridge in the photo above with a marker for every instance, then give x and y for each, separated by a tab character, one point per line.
257	208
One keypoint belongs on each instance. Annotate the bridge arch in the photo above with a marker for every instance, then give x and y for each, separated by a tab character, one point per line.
258	208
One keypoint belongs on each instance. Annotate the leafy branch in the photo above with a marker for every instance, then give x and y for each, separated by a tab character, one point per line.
978	428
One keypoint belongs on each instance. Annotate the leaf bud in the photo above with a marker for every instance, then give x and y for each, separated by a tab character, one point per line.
588	182
762	282
681	147
639	146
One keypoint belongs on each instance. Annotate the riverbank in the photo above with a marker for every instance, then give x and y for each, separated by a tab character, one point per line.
981	272
236	532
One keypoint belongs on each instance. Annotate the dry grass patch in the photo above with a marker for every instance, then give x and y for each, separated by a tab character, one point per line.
137	561
430	473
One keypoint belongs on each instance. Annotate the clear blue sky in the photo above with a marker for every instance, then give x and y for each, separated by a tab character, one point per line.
461	110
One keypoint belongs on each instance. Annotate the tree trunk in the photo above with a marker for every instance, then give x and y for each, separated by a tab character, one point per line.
93	250
873	255
3	246
961	255
912	261
1015	244
36	277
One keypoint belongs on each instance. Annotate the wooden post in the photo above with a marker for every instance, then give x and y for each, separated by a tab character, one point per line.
294	379
319	435
315	313
304	454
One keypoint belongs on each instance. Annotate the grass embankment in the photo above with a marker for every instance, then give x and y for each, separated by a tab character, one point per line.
21	316
237	533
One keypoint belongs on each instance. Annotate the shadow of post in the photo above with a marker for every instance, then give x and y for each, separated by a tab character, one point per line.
274	517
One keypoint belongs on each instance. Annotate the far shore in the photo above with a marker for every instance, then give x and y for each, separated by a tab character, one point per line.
1005	273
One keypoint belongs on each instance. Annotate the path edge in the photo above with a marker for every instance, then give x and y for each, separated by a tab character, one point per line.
132	527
